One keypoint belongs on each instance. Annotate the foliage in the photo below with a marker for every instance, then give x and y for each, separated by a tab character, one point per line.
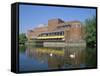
90	31
22	48
22	38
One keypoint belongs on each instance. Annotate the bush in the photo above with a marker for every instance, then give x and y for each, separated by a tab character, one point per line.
22	38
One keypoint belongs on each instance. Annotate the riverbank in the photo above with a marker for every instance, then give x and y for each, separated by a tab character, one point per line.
57	44
63	44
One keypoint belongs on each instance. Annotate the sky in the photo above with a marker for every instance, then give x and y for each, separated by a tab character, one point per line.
31	16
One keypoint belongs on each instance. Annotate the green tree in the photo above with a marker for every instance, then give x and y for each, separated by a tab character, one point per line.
90	31
22	38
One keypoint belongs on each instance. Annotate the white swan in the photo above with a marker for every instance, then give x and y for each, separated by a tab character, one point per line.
72	55
50	54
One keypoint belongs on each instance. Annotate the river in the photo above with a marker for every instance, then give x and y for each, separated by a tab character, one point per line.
34	58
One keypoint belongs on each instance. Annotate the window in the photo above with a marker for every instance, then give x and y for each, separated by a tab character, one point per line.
77	25
62	32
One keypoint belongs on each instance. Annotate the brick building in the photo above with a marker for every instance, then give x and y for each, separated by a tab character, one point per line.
58	29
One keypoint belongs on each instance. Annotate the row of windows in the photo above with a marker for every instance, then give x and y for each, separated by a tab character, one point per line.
64	26
68	26
52	34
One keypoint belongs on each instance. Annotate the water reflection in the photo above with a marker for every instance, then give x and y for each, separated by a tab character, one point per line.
58	58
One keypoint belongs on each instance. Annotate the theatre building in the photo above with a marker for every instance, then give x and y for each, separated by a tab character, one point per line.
58	30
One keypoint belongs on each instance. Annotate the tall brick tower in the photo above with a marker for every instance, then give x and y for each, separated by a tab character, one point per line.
74	33
53	23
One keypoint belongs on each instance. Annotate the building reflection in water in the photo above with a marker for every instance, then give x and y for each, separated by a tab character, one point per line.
61	58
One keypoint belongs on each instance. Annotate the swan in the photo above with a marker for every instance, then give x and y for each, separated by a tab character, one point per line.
72	55
50	54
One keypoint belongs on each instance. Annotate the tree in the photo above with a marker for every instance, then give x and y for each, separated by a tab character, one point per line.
22	38
90	31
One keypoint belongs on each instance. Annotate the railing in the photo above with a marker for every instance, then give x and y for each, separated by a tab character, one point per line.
50	37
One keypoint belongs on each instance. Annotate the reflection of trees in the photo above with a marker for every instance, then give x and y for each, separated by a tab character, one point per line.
22	48
91	58
69	57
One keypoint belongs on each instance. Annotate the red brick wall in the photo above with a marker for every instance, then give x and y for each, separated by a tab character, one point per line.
74	33
36	32
52	24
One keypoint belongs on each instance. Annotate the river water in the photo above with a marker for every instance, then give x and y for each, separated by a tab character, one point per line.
34	58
